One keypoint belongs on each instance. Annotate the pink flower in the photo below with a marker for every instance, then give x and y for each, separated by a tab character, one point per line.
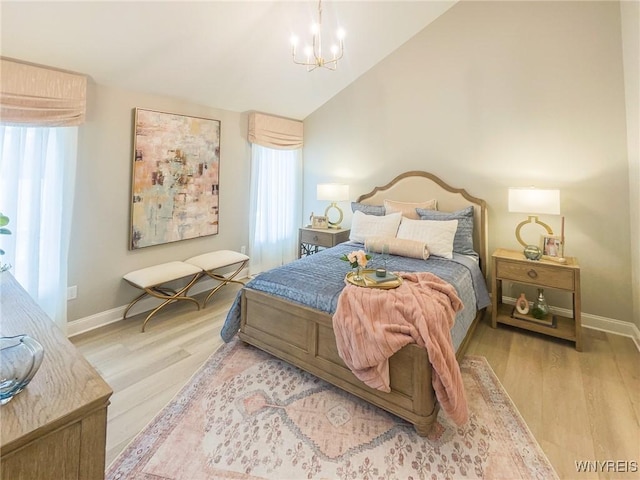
356	258
362	258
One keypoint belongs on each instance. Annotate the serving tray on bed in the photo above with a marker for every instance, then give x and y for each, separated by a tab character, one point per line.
368	276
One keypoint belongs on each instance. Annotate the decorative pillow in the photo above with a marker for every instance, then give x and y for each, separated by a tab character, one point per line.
437	234
408	209
398	246
463	241
363	226
377	210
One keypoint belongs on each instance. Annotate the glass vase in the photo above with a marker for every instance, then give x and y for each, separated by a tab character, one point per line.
540	309
20	359
357	274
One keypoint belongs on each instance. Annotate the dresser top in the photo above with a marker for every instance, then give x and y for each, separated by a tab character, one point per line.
65	387
504	253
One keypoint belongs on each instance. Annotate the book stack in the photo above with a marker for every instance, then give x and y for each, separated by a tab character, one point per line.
372	278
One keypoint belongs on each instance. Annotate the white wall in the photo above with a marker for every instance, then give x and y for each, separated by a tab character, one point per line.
99	254
630	14
493	95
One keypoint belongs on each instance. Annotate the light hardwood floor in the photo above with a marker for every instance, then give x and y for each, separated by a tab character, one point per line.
580	406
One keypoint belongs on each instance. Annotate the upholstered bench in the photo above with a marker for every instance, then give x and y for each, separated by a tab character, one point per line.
208	262
152	279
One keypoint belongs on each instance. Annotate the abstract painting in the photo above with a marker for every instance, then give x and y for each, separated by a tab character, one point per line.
175	182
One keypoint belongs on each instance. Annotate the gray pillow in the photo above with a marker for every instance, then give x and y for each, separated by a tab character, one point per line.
377	210
463	240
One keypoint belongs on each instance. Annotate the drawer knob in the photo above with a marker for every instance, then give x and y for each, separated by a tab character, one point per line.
532	273
315	238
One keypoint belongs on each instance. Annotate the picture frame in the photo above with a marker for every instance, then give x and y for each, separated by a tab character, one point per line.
319	221
552	245
175	178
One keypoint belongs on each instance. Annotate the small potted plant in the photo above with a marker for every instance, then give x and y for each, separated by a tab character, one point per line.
4	221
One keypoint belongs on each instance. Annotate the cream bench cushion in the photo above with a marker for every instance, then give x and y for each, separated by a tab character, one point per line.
159	274
218	259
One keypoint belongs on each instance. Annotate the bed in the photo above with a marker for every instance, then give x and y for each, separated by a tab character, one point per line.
273	313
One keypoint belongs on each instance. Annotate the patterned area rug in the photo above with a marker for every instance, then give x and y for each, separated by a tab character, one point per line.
246	415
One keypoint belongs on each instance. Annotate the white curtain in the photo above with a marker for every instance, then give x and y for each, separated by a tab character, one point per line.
276	206
37	179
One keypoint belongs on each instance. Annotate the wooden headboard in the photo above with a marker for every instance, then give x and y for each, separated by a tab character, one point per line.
417	186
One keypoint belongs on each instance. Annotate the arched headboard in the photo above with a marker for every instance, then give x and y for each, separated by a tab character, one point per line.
418	186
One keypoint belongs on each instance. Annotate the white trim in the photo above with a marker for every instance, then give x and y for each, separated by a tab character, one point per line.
609	325
82	325
596	322
101	319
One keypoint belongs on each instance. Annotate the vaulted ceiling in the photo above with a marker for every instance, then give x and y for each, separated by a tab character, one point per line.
233	55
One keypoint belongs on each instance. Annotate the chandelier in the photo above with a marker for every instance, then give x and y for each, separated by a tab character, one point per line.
313	53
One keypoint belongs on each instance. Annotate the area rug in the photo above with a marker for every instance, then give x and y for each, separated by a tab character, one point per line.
247	415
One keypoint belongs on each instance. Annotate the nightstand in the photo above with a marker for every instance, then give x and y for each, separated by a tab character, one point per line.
312	239
513	266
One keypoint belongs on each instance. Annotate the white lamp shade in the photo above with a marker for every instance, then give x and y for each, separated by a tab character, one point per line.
333	192
534	200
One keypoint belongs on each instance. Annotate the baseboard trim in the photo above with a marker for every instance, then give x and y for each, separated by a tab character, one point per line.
83	325
101	319
609	325
596	322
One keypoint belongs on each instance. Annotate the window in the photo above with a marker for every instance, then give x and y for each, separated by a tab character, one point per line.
275	210
37	176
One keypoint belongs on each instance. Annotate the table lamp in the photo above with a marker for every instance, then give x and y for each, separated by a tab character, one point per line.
333	192
535	201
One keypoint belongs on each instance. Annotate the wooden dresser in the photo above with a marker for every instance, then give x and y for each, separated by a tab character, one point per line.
55	428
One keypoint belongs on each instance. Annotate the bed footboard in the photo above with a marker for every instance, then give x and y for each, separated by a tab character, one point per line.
304	337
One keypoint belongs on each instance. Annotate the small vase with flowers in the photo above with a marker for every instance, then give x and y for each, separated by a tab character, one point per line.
358	260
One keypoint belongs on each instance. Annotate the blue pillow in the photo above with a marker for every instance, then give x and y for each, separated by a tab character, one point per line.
463	240
377	210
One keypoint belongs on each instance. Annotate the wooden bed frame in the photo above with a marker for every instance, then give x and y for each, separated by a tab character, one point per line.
304	337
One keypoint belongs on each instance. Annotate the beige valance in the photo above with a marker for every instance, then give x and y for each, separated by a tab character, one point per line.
39	96
275	132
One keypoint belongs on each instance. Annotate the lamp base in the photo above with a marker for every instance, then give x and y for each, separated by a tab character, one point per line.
336	224
531	219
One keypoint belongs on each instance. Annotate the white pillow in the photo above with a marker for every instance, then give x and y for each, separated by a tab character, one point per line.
438	235
363	226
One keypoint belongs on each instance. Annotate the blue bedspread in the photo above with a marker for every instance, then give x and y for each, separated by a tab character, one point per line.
317	281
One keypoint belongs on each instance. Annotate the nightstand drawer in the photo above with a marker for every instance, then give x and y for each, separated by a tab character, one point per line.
536	274
322	239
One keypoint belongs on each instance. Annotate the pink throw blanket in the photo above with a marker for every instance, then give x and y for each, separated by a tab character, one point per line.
372	324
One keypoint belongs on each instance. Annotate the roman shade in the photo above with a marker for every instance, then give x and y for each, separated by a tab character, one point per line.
275	132
40	96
